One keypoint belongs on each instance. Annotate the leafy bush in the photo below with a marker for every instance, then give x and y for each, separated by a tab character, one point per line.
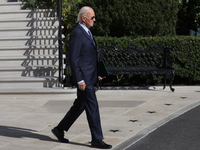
134	18
121	42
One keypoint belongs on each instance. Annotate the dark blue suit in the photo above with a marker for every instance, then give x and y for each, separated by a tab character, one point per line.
83	61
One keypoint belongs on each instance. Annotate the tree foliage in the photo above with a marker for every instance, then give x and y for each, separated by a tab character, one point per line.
134	18
69	12
120	17
39	4
188	16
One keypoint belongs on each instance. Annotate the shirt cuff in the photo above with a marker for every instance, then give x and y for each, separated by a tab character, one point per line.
80	81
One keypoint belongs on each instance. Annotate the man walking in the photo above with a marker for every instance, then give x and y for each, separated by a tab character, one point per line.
83	61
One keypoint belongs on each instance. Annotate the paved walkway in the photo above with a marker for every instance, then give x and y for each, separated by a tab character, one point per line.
127	116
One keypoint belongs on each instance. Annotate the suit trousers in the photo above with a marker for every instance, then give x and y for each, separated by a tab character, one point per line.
86	100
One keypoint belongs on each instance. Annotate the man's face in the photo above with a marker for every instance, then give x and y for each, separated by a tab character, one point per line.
90	19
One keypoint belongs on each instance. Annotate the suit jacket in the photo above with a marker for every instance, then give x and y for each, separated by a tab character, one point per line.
83	56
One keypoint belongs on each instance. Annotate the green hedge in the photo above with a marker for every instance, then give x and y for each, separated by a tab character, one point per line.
185	50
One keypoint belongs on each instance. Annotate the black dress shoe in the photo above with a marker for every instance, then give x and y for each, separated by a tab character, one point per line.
100	144
60	135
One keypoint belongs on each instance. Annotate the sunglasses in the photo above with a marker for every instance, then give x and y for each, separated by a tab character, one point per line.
93	18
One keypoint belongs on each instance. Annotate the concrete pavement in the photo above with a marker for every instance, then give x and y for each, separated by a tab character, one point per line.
127	116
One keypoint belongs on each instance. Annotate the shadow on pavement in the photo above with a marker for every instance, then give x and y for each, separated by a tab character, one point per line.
80	144
16	132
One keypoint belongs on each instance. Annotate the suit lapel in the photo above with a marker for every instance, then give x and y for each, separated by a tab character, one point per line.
88	37
95	45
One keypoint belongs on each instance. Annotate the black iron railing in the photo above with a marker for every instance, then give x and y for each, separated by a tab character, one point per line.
64	67
60	41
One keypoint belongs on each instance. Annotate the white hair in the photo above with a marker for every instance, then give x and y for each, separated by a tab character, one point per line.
83	12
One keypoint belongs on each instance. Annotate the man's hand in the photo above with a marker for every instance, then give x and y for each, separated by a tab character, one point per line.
101	78
82	85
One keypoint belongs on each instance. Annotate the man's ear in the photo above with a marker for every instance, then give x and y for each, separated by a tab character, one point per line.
83	19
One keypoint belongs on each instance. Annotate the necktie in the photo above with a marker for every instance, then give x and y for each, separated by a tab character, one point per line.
90	34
